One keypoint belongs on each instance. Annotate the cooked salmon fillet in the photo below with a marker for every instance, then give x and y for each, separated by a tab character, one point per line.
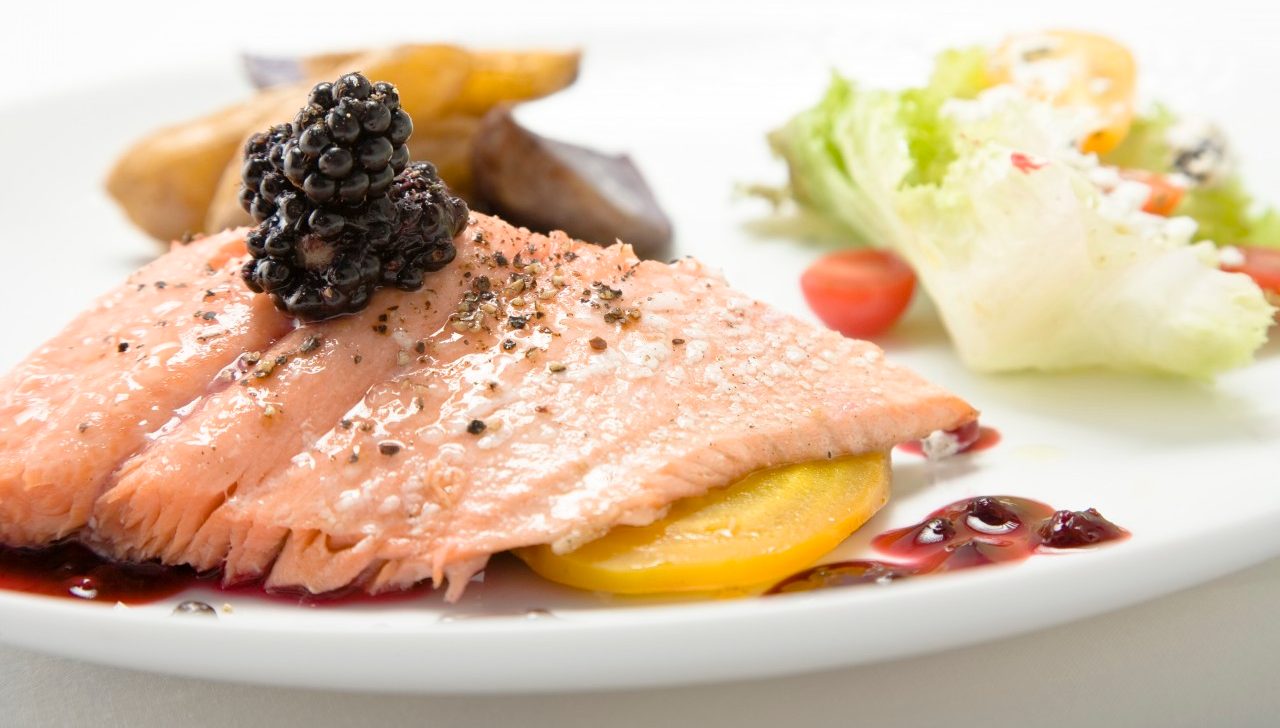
539	390
139	359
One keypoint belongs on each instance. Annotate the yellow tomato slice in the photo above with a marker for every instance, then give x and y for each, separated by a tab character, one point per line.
1071	68
759	530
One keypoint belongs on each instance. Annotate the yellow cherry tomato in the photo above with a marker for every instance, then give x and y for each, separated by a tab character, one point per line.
757	531
1073	69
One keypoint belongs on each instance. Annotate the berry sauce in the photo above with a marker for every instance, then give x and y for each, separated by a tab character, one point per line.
964	535
973	438
72	571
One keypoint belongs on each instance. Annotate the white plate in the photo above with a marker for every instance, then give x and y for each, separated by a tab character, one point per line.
1189	468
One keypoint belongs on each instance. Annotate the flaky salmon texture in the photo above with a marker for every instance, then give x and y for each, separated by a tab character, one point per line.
539	390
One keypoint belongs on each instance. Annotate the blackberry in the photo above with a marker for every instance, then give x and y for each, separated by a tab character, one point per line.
318	263
339	211
430	217
309	275
348	142
263	174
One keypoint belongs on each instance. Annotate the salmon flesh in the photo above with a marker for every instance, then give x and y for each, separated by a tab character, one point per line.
539	390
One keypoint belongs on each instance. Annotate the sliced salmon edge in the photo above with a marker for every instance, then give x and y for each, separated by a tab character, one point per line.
231	445
90	397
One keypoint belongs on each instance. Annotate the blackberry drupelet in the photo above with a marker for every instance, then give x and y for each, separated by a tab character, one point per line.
337	217
308	275
262	174
318	263
348	142
429	219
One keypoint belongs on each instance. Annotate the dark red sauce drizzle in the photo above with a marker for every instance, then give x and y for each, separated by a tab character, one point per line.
973	438
966	534
73	571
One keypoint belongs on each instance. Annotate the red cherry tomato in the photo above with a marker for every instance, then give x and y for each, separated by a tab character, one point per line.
1165	195
1260	264
860	293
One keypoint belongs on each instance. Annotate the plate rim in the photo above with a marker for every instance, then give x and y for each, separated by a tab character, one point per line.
100	626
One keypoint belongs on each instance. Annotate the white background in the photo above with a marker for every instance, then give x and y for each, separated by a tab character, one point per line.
1206	656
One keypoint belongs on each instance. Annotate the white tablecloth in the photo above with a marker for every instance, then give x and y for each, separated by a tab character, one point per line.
1207	656
1203	657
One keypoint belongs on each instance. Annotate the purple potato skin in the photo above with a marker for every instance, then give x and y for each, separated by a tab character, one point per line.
268	71
546	185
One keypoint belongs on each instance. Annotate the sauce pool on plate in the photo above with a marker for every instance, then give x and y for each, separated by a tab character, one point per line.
73	571
963	535
970	438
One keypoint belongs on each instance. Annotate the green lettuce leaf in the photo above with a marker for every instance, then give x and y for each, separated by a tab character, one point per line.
812	143
1145	146
959	73
1227	214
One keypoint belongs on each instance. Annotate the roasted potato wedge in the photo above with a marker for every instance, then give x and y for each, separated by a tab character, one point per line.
165	181
447	143
224	210
506	77
183	179
429	77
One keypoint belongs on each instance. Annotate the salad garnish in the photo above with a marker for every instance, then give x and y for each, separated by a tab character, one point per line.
1053	228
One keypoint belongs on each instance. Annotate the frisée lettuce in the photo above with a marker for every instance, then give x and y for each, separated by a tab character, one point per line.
1034	260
